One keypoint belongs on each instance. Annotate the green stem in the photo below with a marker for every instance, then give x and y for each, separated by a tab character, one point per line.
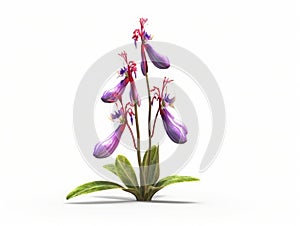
149	122
142	176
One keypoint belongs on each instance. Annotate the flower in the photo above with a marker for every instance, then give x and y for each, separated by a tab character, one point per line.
114	94
131	69
107	147
176	130
159	61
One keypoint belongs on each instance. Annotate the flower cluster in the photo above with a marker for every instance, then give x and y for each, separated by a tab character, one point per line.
108	146
175	129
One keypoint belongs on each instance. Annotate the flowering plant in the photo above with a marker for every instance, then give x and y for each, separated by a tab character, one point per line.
149	170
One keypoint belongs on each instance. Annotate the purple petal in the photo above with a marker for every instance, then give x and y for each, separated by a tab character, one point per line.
112	95
117	114
159	61
107	147
135	43
176	130
144	64
147	36
131	119
123	70
169	100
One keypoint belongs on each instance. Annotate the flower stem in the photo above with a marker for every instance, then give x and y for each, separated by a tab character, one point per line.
132	136
149	122
155	119
128	126
142	176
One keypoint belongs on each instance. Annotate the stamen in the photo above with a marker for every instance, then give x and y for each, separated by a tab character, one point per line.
124	56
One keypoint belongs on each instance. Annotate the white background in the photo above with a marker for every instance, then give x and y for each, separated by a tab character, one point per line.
252	48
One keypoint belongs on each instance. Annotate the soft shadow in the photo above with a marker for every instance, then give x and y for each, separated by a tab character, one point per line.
159	196
116	200
122	199
174	202
100	202
114	197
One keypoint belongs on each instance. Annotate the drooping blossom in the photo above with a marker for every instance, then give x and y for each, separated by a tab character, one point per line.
115	94
175	129
159	61
108	146
129	72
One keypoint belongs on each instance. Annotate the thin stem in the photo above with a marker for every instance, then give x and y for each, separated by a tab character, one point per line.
137	134
153	128
149	119
132	136
130	130
142	176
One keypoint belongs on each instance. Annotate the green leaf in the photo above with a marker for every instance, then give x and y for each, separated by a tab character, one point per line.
153	156
167	181
125	172
152	170
174	179
111	168
92	187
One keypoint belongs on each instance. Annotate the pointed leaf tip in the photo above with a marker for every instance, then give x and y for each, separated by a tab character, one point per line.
92	187
111	168
175	179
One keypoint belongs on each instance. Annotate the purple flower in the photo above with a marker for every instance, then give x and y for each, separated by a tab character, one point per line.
107	147
114	94
176	130
159	61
